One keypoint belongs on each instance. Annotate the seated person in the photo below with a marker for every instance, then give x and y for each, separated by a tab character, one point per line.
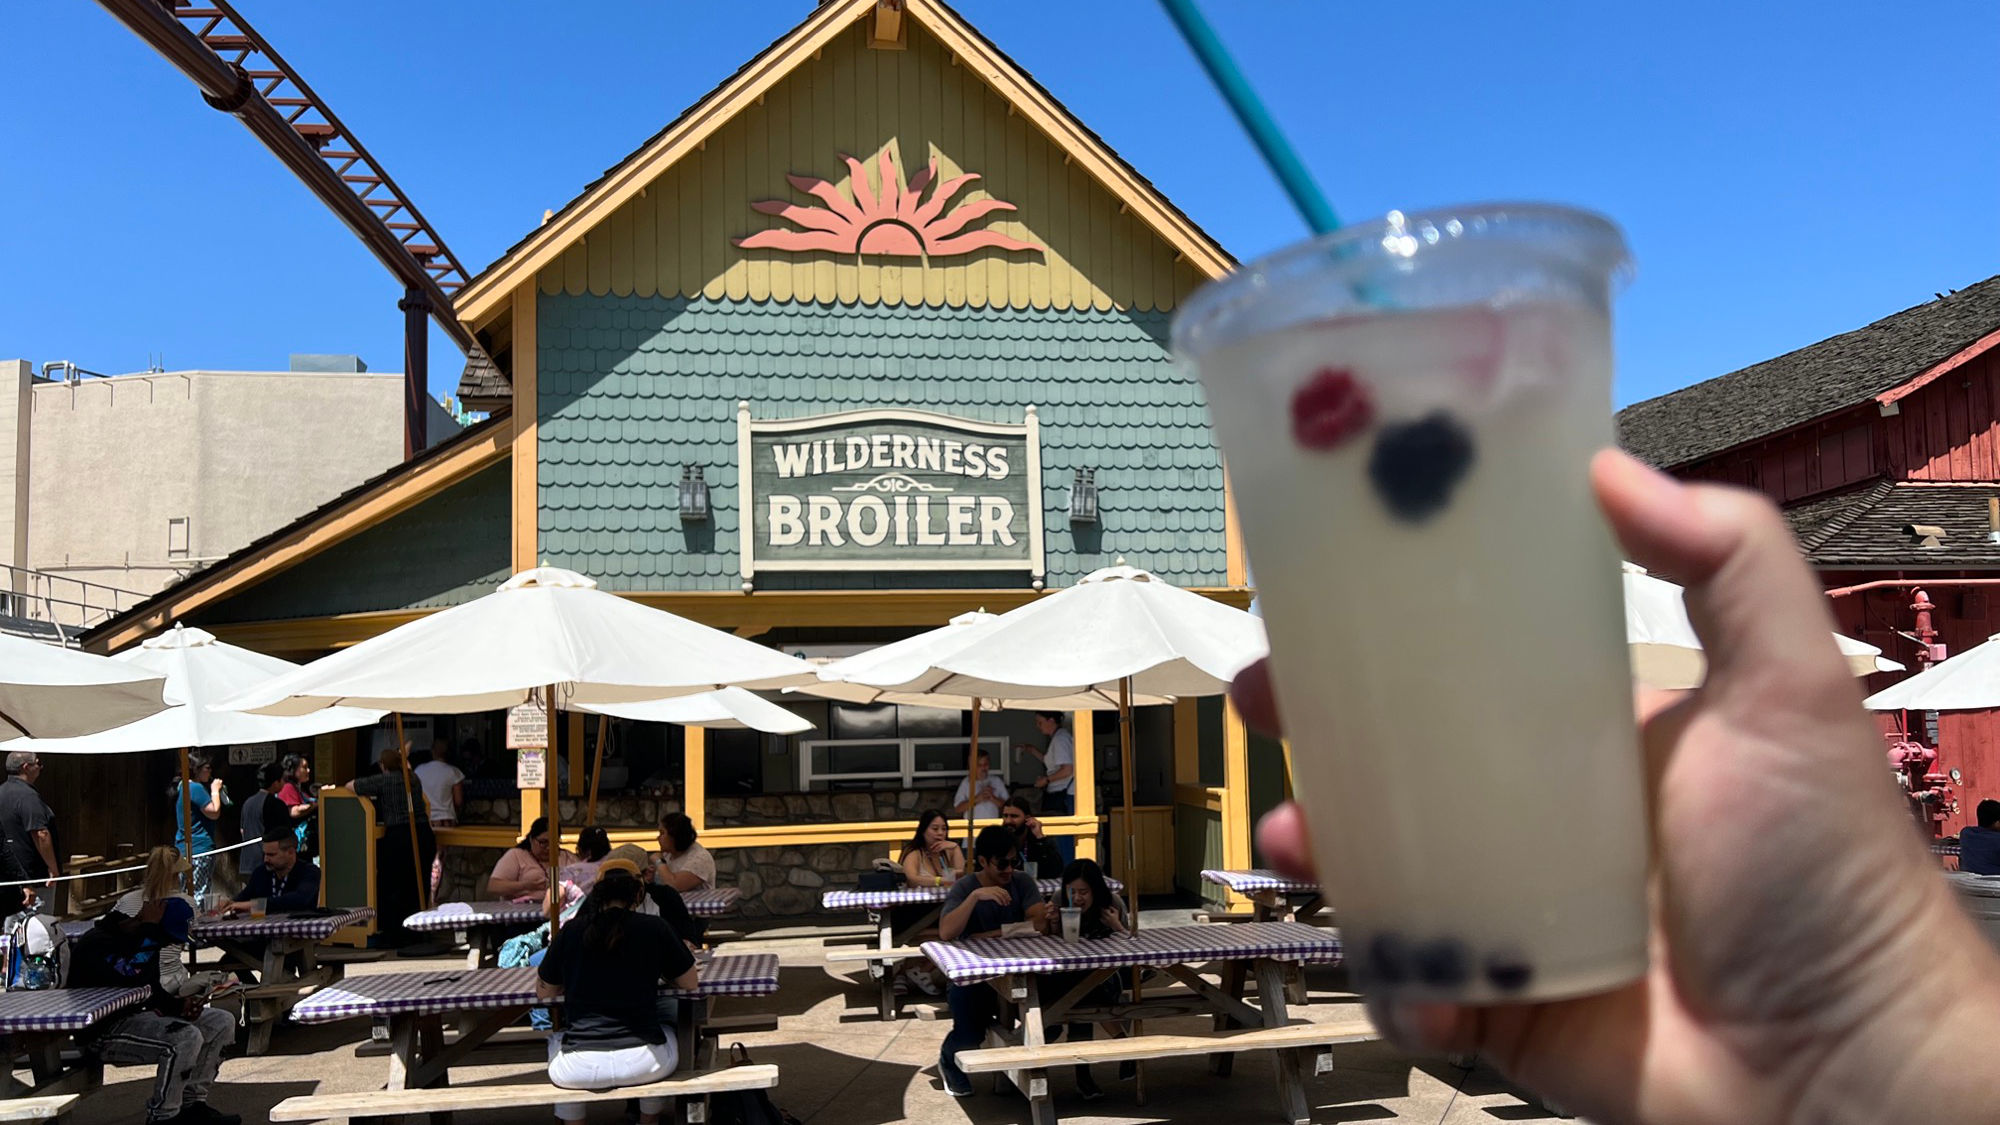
1039	856
174	1030
592	845
931	858
995	894
285	882
164	867
522	875
684	865
1102	916
1979	847
608	966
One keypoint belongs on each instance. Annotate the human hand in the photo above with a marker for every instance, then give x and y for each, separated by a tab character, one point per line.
1000	896
1041	781
1808	962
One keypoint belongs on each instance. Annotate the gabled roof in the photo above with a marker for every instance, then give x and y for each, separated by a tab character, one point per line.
362	506
1866	526
490	290
1874	362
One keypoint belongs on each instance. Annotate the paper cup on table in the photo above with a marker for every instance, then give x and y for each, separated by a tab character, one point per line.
1408	409
1072	924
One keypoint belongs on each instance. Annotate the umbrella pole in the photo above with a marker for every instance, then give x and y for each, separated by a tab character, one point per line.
977	775
187	821
554	753
1131	838
596	769
410	811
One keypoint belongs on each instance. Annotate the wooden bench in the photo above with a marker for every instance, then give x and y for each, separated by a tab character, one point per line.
691	1093
45	1107
1027	1067
879	961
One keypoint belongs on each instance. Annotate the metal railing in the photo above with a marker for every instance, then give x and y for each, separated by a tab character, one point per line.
62	604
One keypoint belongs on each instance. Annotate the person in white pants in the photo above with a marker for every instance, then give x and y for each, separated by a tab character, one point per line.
607	966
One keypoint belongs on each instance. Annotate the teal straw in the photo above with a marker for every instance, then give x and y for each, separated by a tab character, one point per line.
1255	119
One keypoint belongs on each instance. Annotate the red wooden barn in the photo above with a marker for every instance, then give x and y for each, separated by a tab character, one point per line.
1882	445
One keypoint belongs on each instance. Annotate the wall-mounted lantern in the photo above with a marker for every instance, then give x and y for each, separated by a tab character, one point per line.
694	495
1083	497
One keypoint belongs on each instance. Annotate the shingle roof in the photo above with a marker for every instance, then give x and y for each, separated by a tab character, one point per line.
633	388
482	380
1818	379
1865	527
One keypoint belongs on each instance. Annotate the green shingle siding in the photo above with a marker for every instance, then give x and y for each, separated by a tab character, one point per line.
448	549
633	388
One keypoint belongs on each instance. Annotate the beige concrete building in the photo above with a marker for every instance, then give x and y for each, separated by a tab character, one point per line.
120	485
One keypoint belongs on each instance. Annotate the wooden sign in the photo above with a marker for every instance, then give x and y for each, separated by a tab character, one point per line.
527	726
255	754
875	490
892	219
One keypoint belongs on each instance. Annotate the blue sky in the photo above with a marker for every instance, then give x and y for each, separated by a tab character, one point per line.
1785	171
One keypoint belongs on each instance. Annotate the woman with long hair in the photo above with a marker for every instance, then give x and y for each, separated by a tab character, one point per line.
1102	916
684	865
931	858
164	867
607	966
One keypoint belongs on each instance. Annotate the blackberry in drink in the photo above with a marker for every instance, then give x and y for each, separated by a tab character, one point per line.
1407	410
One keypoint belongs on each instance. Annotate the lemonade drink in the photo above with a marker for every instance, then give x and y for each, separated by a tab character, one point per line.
1407	411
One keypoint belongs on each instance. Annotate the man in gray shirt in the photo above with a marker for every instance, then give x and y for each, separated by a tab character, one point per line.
27	851
996	893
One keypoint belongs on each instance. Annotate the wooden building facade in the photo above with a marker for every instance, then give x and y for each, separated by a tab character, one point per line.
877	248
1873	442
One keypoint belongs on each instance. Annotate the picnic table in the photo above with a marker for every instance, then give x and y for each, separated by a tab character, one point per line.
417	1004
482	926
1274	953
893	944
42	1024
1272	894
280	952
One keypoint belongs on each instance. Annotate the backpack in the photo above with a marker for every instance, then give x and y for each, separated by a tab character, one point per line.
886	876
37	953
745	1107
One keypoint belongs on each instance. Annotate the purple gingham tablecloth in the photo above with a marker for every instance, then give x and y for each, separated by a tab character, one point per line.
710	902
1258	880
985	958
461	990
315	926
881	900
463	915
65	1009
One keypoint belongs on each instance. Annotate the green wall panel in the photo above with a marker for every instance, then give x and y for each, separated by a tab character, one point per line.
634	388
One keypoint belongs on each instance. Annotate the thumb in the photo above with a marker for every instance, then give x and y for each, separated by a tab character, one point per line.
1762	620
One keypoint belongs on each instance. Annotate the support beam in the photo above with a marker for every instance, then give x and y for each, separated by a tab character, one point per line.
1082	728
576	756
694	775
1236	826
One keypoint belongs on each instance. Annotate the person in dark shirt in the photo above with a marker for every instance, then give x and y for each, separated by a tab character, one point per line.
1038	853
997	893
262	812
283	880
607	966
1979	847
174	1031
27	851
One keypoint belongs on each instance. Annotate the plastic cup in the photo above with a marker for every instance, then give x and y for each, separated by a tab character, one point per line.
1072	924
258	907
1407	409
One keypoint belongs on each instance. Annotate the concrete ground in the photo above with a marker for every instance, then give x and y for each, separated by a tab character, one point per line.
840	1065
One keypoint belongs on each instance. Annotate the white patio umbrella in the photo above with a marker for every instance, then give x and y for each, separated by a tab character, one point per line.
1969	681
1667	654
729	709
58	692
546	634
199	670
895	673
1119	633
